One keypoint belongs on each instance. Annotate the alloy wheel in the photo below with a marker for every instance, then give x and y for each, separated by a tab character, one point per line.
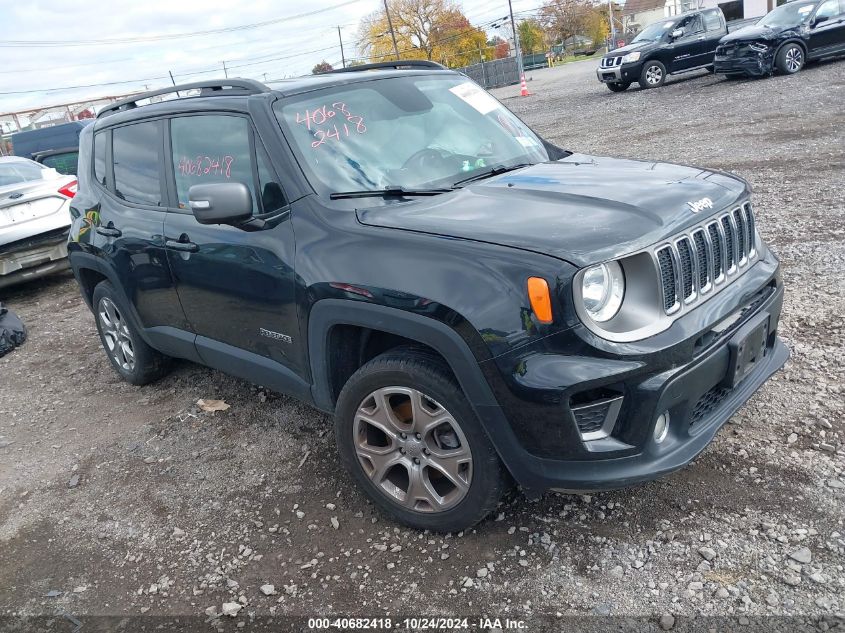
794	59
116	334
412	449
653	75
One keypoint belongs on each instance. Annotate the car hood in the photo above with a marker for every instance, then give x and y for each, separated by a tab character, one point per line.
582	209
754	33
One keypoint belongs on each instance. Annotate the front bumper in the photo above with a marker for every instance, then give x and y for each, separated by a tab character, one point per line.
752	65
33	257
626	73
686	378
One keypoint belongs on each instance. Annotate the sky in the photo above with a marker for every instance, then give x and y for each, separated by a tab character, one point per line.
47	45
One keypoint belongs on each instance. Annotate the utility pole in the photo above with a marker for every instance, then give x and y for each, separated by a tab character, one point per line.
170	72
225	72
340	39
519	67
612	26
392	34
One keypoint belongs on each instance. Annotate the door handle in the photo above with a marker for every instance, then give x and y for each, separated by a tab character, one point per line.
184	246
109	231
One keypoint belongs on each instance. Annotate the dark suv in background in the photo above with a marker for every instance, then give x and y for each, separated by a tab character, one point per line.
671	46
785	39
393	246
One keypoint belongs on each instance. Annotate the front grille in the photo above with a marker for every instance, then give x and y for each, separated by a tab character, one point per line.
685	260
707	403
727	227
610	62
667	276
706	255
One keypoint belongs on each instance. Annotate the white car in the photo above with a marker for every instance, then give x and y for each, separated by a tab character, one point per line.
34	219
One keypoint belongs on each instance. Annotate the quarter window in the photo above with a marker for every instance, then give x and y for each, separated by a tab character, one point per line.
100	157
135	151
220	148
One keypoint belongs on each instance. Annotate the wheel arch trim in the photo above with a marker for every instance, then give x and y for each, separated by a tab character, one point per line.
327	313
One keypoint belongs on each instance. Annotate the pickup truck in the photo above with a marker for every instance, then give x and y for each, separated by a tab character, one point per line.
679	44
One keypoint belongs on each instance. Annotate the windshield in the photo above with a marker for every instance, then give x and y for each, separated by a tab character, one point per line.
413	132
791	14
653	32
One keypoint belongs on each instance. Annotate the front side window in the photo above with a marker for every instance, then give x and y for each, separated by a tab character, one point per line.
135	151
412	132
828	9
692	25
654	32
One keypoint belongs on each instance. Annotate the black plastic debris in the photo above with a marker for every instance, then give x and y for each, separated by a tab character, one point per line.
12	331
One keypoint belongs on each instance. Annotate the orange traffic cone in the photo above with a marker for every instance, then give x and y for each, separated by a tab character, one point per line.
523	88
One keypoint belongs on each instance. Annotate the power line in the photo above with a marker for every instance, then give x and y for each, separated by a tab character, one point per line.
163	37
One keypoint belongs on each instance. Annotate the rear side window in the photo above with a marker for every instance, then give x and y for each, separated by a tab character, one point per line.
712	21
63	163
220	148
100	157
135	151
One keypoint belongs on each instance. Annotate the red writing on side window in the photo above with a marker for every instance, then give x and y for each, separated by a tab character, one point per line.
206	166
327	123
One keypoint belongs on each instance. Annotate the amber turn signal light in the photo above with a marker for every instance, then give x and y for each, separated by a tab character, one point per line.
541	300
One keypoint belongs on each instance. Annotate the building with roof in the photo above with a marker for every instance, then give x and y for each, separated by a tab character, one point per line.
637	14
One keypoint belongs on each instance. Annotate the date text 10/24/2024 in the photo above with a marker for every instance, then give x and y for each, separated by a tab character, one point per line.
325	124
418	624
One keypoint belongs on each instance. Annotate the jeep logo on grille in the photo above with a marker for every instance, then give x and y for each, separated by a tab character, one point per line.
700	205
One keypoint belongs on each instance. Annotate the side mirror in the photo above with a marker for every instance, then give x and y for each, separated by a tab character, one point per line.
819	19
221	203
677	33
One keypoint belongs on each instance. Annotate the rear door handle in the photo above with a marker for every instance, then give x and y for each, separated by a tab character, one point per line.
109	231
184	246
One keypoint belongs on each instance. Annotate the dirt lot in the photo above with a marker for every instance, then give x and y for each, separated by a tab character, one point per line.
123	501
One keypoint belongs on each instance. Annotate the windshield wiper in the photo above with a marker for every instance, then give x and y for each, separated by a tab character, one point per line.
493	171
387	191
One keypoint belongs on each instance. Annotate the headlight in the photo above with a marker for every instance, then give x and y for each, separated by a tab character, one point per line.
602	289
631	57
757	47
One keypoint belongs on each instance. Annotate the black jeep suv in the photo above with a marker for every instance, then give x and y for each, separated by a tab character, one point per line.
395	247
679	44
785	39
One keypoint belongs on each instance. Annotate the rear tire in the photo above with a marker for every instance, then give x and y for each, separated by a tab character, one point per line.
653	74
130	356
620	86
410	439
790	59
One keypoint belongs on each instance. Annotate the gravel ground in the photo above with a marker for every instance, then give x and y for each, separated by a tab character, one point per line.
123	501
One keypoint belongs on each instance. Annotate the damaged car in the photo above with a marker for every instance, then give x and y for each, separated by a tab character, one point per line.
784	40
34	219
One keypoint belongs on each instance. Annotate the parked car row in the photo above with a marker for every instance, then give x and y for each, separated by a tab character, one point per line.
784	40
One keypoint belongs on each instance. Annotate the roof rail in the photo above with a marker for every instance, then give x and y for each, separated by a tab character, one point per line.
221	88
407	64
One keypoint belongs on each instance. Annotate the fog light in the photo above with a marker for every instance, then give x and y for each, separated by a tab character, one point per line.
661	427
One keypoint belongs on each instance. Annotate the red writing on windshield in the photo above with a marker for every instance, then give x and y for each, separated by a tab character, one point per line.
206	166
326	123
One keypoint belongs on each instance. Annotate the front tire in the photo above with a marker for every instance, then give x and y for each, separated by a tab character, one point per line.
790	59
408	436
619	86
653	74
130	356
